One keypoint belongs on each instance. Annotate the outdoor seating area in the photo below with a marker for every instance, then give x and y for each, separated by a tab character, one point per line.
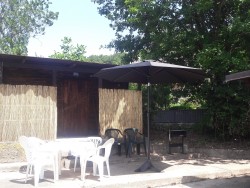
94	154
146	94
40	153
96	150
175	168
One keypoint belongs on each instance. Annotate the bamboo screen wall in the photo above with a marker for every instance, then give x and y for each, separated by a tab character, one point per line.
27	110
120	109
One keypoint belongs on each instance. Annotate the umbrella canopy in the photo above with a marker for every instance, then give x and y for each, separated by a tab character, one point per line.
150	71
147	72
238	76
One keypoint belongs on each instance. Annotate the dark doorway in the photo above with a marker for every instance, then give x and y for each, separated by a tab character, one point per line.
78	113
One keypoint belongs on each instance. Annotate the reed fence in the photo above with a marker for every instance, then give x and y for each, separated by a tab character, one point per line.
120	109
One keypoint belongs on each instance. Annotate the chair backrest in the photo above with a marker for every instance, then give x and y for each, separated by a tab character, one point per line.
107	146
113	133
35	142
30	144
23	140
96	140
131	133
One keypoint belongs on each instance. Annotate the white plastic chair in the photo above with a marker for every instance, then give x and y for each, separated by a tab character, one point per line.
36	158
98	160
96	140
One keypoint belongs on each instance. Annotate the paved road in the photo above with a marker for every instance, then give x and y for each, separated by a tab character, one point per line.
237	182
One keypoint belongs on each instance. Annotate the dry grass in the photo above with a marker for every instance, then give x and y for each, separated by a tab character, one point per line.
11	152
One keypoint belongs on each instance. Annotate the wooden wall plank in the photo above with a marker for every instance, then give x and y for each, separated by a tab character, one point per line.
78	108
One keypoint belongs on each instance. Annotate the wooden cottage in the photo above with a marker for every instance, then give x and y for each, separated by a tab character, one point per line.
49	98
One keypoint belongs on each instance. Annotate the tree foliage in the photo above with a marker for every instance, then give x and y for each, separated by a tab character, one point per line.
20	20
211	34
69	51
116	59
77	52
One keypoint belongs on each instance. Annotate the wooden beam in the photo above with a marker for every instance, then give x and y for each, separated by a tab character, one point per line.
100	83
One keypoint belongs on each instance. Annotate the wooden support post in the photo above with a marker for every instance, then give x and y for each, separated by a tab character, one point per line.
1	72
100	83
54	78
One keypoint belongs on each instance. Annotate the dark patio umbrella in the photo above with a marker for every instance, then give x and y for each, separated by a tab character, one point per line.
151	72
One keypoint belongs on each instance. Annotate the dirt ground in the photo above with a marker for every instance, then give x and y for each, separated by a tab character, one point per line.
13	152
195	140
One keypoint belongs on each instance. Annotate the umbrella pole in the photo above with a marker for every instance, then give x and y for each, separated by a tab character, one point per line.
147	164
148	120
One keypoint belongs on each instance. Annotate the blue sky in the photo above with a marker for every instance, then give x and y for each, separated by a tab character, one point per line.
78	19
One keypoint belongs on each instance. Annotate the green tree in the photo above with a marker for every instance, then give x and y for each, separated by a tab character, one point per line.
116	59
211	34
70	52
20	20
77	52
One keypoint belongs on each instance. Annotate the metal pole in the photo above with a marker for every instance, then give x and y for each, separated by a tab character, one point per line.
148	121
147	164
